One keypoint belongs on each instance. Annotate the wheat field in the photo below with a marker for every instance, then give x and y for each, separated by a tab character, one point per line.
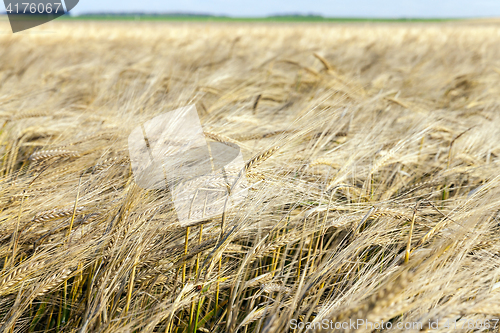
372	156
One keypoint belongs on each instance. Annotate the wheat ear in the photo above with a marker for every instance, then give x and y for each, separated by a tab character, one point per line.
54	281
16	276
218	137
261	158
260	136
45	154
55	214
274	287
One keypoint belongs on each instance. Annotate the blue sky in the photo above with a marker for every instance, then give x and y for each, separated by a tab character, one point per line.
335	8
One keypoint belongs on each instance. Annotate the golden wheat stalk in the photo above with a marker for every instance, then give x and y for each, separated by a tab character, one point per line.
389	213
254	315
54	281
248	137
17	275
55	214
121	161
261	158
322	161
323	61
274	287
258	280
218	137
289	238
46	154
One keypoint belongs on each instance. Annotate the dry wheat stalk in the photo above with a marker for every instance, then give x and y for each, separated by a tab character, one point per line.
219	137
377	302
421	185
54	281
30	114
261	158
256	314
323	61
46	154
255	176
289	238
122	161
263	278
151	273
323	162
17	275
482	245
389	213
383	160
86	138
55	214
248	137
274	287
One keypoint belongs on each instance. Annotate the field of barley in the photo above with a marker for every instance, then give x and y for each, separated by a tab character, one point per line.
372	155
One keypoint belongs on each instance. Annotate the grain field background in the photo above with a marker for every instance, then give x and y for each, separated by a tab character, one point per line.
373	152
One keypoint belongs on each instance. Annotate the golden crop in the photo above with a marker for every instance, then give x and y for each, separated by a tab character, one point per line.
372	151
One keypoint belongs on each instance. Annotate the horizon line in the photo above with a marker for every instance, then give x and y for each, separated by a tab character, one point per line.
277	15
